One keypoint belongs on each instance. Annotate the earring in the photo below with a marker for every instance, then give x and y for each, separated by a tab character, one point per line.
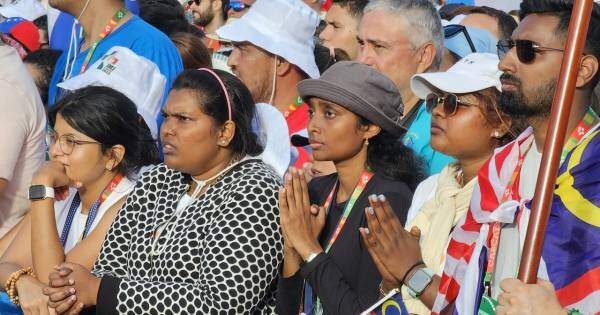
367	142
497	134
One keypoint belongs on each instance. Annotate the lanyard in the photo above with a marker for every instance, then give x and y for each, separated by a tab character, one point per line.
364	179
587	122
93	212
110	26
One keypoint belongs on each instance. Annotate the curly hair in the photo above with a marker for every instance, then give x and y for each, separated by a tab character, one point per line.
389	157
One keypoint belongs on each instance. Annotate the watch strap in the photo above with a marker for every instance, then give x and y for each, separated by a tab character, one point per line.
48	193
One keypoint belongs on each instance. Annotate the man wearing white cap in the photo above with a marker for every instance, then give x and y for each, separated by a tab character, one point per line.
273	51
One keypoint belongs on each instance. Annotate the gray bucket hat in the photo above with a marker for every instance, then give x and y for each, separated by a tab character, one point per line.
362	90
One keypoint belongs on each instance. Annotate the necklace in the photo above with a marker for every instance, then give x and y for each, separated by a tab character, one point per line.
200	185
297	103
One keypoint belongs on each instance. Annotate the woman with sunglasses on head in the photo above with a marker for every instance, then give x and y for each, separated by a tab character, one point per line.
98	143
198	234
355	115
467	125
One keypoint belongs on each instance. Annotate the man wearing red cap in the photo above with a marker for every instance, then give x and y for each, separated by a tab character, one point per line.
21	34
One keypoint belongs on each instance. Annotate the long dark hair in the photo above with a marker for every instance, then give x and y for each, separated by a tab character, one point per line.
211	100
390	158
110	118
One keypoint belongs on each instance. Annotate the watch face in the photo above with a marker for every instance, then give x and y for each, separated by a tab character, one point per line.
419	281
37	192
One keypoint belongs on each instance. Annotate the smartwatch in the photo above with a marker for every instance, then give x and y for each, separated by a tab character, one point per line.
40	192
418	281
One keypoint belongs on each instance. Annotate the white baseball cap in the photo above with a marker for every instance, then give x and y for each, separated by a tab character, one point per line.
475	72
135	76
285	28
30	10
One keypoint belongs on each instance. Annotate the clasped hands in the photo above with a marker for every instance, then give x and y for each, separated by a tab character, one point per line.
71	288
301	222
393	249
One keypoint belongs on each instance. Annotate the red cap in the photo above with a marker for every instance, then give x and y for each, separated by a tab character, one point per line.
25	32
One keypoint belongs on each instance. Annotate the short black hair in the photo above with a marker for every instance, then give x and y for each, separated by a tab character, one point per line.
355	7
325	59
562	9
111	118
506	23
212	101
45	61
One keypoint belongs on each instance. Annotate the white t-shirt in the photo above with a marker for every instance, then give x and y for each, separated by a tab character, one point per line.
61	211
22	136
272	130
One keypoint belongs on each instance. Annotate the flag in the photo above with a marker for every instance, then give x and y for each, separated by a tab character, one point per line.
571	250
389	305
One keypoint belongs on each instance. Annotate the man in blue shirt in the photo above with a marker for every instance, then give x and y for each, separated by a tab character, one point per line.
128	31
400	39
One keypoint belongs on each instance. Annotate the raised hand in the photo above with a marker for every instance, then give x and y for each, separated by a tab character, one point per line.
393	249
301	222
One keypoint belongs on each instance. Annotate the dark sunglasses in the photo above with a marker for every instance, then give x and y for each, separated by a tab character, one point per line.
450	103
526	49
197	2
238	6
455	29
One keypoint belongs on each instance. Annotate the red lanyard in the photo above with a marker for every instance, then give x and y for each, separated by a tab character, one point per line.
364	179
92	213
110	26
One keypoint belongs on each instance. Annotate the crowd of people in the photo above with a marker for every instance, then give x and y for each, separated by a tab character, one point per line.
292	157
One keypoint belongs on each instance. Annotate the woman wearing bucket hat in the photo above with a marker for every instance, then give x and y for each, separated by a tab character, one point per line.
466	125
355	115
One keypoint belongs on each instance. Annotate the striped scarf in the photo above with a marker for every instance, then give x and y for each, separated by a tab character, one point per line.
495	199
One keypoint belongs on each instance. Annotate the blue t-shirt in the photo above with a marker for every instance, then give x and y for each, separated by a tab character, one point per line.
417	138
137	35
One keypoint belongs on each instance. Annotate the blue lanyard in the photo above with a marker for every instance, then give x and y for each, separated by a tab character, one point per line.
71	215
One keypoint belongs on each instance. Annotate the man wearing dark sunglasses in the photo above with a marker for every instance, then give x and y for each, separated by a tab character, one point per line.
209	14
531	62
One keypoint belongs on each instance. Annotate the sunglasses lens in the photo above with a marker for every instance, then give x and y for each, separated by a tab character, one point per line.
525	51
503	47
452	30
450	103
431	101
237	6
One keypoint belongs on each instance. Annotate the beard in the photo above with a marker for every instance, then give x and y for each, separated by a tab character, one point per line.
203	18
516	104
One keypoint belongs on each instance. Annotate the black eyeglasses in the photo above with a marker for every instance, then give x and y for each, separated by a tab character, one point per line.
450	103
455	29
238	6
526	49
66	142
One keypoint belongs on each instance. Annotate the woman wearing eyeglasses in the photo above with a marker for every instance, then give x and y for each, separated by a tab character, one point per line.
98	143
467	125
199	234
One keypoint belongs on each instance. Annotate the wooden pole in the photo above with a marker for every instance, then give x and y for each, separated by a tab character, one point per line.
559	117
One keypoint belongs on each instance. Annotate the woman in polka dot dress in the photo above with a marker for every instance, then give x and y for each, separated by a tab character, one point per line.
199	234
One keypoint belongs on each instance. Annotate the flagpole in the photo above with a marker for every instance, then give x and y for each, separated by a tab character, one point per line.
559	117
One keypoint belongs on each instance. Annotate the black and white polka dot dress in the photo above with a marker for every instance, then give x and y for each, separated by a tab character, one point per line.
220	255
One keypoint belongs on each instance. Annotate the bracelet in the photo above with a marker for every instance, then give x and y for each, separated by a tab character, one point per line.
383	293
11	283
419	263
